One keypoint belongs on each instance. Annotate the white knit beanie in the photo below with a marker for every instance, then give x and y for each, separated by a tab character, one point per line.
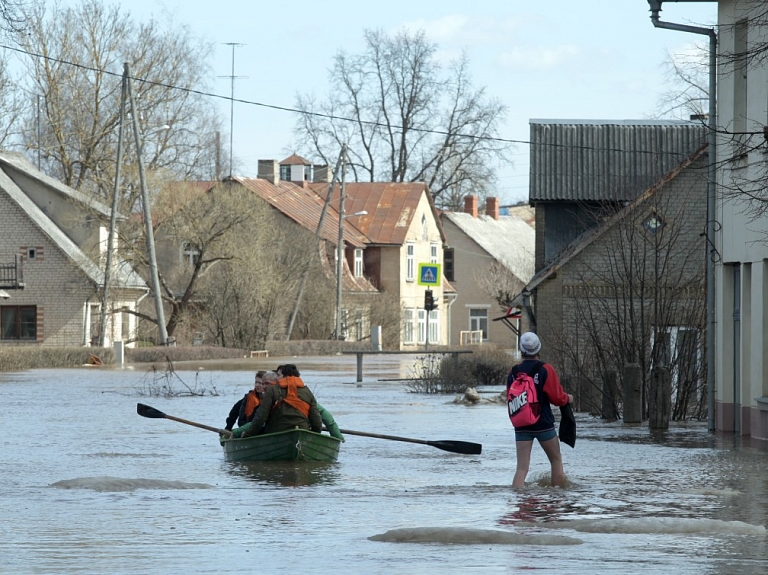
530	344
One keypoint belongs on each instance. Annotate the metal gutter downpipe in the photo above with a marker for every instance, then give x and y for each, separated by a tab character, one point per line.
655	6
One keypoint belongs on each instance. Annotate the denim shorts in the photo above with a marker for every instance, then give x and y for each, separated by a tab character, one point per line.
545	435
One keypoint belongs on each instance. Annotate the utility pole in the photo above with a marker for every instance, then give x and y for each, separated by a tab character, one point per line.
232	79
340	247
113	214
163	335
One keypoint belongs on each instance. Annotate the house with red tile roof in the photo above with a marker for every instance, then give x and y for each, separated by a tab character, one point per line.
389	229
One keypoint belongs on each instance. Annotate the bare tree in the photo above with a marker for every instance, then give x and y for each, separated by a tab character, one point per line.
407	119
688	79
76	66
11	106
248	299
639	297
12	19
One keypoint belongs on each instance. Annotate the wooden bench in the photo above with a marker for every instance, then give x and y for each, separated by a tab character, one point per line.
260	353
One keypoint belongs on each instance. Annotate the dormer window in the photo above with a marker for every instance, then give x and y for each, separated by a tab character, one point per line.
285	173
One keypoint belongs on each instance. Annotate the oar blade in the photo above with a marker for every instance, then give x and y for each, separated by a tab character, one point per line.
147	411
464	447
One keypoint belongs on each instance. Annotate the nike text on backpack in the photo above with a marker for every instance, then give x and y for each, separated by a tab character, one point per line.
523	399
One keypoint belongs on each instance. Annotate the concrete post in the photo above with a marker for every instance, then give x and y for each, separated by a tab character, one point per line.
376	337
660	398
608	411
633	396
119	348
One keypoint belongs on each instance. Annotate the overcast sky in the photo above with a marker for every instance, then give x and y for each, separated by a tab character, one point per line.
553	59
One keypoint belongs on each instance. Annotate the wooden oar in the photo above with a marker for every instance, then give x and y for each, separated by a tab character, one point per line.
151	412
464	447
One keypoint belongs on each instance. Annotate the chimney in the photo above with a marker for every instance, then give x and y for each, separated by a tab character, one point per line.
470	206
269	170
321	174
492	207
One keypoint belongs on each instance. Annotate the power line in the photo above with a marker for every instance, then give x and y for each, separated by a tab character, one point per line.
232	100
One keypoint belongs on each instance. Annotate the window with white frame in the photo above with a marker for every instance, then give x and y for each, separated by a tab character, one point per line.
434	326
424	229
422	326
408	326
358	263
478	321
410	262
433	259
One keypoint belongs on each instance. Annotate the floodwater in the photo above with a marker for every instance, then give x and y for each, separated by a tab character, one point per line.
88	486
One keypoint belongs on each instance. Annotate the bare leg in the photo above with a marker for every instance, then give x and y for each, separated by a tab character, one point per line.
552	448
523	449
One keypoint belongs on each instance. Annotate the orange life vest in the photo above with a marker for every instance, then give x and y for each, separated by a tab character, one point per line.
252	401
292	383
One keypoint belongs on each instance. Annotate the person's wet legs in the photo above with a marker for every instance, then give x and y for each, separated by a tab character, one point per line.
552	448
523	449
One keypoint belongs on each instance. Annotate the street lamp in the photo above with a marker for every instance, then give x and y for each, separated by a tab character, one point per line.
340	256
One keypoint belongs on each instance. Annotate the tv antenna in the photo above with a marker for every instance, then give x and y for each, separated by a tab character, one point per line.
232	79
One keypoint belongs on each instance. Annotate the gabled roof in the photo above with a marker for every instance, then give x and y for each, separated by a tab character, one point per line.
390	206
590	236
15	164
125	275
509	240
304	206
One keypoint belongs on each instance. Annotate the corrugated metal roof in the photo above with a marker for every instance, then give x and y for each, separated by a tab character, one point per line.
303	205
606	160
390	207
510	240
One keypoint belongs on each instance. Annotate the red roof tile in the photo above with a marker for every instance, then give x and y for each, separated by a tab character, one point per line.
295	160
390	207
304	205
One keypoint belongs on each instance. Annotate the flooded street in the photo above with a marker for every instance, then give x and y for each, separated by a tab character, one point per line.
88	486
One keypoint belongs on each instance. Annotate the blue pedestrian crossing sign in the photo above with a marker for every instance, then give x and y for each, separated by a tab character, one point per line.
429	275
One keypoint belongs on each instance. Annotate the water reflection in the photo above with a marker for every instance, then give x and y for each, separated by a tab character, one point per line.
285	473
541	505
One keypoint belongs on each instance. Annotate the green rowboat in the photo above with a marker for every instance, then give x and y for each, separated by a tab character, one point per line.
288	445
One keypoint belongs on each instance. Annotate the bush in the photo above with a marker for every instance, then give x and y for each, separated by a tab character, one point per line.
170	354
438	373
21	357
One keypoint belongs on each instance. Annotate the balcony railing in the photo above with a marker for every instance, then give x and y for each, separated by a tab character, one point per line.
12	274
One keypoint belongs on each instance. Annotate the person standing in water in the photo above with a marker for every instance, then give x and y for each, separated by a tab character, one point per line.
548	390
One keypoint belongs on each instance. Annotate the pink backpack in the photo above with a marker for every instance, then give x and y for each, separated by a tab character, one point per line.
523	399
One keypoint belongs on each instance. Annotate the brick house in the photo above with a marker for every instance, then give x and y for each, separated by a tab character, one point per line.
610	197
52	244
489	258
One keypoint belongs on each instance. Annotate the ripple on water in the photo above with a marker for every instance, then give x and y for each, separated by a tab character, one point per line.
116	484
463	536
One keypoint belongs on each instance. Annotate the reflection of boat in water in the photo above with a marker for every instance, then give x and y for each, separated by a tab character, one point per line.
288	445
285	473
